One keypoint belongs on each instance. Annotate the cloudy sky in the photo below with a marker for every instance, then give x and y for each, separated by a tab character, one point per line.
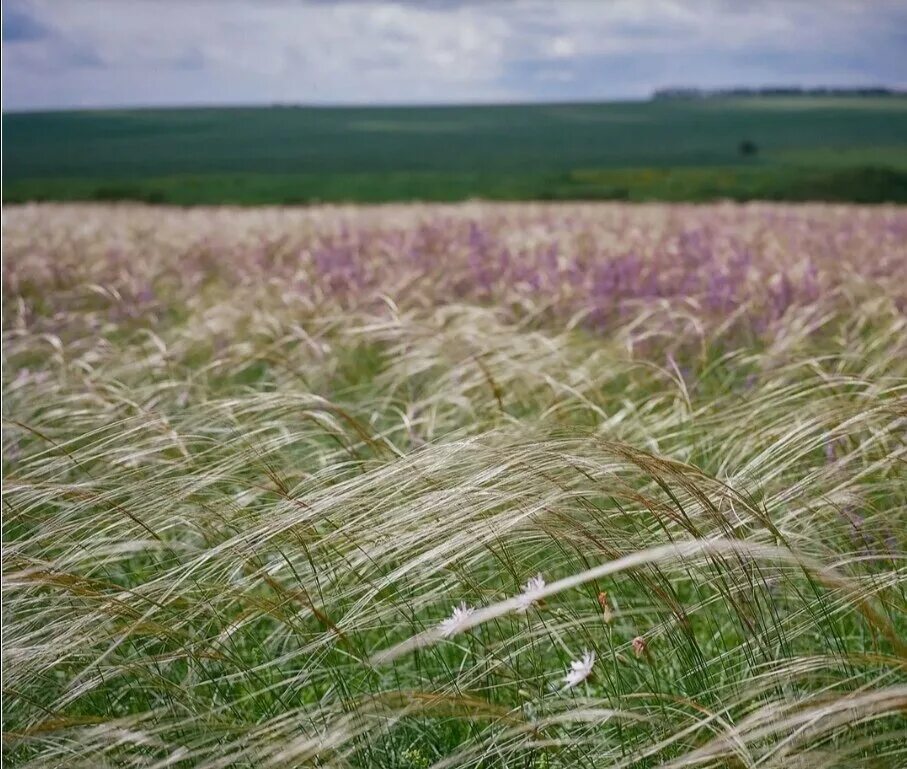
80	53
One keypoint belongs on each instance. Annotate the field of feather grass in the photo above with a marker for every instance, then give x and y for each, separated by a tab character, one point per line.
587	485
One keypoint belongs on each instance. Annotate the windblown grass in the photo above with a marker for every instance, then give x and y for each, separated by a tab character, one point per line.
252	461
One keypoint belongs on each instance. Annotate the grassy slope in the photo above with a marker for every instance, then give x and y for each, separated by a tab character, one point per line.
809	148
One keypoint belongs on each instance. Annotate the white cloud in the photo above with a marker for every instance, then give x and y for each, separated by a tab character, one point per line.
189	51
562	47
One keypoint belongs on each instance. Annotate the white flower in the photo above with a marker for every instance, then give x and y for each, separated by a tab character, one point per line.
454	623
530	594
579	670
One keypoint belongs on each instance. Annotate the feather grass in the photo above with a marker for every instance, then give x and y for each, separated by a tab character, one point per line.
235	516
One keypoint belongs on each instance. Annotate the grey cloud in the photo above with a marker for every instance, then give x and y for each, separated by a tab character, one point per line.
19	25
120	52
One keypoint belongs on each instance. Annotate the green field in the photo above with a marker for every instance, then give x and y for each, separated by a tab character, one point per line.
845	148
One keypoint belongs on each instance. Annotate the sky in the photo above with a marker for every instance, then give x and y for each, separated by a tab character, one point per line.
117	53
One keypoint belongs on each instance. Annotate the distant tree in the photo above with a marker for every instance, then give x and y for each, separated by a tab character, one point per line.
747	148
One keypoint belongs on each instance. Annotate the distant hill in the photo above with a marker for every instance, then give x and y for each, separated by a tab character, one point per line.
842	146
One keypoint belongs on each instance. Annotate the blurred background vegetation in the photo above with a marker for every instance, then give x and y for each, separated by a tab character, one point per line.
741	147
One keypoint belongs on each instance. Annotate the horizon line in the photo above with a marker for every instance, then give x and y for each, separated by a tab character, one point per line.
678	93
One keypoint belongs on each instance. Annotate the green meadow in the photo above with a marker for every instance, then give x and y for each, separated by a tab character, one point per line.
806	148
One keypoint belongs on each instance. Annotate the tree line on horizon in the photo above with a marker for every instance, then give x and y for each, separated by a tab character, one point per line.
710	93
